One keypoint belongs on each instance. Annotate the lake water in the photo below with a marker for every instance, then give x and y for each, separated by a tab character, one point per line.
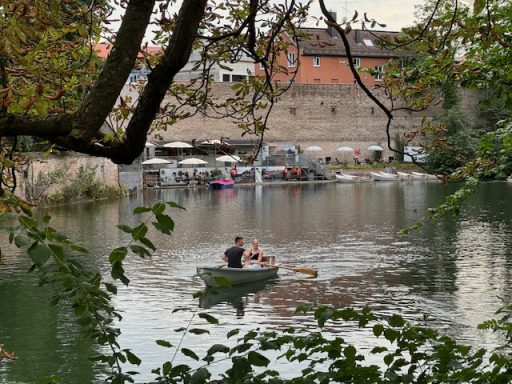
450	273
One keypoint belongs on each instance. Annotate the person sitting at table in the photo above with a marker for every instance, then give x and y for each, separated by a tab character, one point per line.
254	255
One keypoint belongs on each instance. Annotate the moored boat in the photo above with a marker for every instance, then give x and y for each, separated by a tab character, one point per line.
221	184
344	178
384	176
425	176
404	175
212	275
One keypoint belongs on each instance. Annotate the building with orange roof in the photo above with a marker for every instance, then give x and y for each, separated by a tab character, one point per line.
319	57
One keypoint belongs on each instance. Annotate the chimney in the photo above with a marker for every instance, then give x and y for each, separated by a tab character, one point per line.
330	29
358	36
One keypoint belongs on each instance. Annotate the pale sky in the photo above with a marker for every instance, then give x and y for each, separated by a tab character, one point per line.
396	14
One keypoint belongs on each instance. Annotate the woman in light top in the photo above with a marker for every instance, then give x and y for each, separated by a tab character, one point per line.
254	255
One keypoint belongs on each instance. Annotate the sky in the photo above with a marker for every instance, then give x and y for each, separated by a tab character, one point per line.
395	14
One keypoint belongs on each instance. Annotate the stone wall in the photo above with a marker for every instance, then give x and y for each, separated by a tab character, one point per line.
328	116
106	171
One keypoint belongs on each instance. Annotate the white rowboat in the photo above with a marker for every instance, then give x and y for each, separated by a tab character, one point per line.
212	276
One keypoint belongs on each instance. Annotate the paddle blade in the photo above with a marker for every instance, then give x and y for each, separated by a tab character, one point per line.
307	271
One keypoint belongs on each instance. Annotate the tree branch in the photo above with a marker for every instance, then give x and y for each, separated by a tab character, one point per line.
174	59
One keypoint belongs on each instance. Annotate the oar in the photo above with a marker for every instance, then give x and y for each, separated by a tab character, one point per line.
307	271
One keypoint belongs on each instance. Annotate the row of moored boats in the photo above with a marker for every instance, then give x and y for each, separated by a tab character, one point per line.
385	176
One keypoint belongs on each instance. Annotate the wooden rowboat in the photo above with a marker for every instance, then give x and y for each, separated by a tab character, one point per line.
235	275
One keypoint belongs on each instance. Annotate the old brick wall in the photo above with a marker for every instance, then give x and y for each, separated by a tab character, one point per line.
308	114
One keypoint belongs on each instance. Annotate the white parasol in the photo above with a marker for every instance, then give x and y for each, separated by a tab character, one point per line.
192	161
228	159
156	160
177	144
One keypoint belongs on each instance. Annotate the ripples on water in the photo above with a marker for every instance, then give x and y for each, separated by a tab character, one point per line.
451	272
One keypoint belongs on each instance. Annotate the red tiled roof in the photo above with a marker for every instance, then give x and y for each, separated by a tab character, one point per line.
318	42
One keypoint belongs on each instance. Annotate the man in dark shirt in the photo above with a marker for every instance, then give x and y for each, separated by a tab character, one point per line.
233	255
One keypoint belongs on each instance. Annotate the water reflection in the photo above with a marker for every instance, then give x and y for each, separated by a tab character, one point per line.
451	272
238	296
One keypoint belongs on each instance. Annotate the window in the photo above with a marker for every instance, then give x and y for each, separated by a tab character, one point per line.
291	59
237	78
316	61
261	66
378	73
226	78
356	61
368	42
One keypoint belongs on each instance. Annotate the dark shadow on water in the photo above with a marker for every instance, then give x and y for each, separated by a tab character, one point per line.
236	296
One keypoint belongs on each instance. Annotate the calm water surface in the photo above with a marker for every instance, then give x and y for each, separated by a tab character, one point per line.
451	272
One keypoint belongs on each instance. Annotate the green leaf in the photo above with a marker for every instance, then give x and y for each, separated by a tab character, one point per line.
209	318
164	343
233	332
57	250
111	288
27	222
189	353
21	241
78	248
396	321
141	210
132	358
158	208
378	329
118	272
141	251
478	6
118	254
125	228
139	232
198	331
162	228
257	359
180	309
217	348
173	204
39	253
148	243
46	219
200	376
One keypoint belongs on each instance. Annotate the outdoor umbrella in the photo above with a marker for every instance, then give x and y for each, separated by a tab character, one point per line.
215	142
345	149
156	160
192	161
228	159
374	148
178	144
148	144
312	148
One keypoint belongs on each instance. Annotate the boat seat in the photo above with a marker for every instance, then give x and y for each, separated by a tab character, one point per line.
269	259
